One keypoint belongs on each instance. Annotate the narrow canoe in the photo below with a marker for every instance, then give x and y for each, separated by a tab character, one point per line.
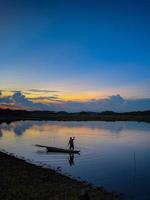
59	150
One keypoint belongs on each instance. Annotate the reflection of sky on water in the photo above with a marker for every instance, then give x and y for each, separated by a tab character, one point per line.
113	154
114	127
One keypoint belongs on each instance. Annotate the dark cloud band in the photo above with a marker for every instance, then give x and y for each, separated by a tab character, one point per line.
113	103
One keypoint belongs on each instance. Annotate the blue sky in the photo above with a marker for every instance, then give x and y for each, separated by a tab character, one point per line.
84	49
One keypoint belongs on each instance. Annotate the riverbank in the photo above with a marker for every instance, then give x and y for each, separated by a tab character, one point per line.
20	180
7	115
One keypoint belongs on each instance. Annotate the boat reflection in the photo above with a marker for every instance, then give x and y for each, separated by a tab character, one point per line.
71	157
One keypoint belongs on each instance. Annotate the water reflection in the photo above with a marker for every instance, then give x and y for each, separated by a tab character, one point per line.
113	154
71	159
71	156
20	127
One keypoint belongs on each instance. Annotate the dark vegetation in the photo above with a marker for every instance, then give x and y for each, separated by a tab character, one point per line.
14	115
20	180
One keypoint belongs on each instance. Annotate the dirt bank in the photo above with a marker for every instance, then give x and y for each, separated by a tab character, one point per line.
20	180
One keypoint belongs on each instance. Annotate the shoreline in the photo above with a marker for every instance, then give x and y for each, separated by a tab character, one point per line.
103	119
17	115
21	180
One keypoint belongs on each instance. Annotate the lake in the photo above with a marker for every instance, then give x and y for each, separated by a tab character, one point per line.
115	155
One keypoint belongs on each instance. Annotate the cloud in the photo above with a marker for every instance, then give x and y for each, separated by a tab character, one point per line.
50	98
5	100
25	102
43	91
116	99
112	103
19	98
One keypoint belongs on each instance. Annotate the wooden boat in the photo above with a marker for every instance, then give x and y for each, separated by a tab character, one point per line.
58	150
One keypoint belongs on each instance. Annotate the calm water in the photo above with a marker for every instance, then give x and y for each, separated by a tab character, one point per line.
115	155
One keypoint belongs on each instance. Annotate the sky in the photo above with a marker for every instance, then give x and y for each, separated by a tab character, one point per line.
75	55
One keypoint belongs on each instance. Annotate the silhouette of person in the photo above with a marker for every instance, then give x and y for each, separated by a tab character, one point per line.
71	143
71	159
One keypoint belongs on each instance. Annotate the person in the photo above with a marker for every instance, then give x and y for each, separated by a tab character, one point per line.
71	143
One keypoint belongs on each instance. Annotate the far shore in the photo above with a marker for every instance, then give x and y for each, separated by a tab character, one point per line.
20	180
7	115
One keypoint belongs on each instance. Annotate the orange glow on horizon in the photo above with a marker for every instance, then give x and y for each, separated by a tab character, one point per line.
66	96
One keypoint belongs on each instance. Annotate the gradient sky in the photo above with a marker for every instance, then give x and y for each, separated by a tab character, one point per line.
83	49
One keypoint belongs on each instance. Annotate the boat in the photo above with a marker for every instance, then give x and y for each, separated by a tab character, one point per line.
58	150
